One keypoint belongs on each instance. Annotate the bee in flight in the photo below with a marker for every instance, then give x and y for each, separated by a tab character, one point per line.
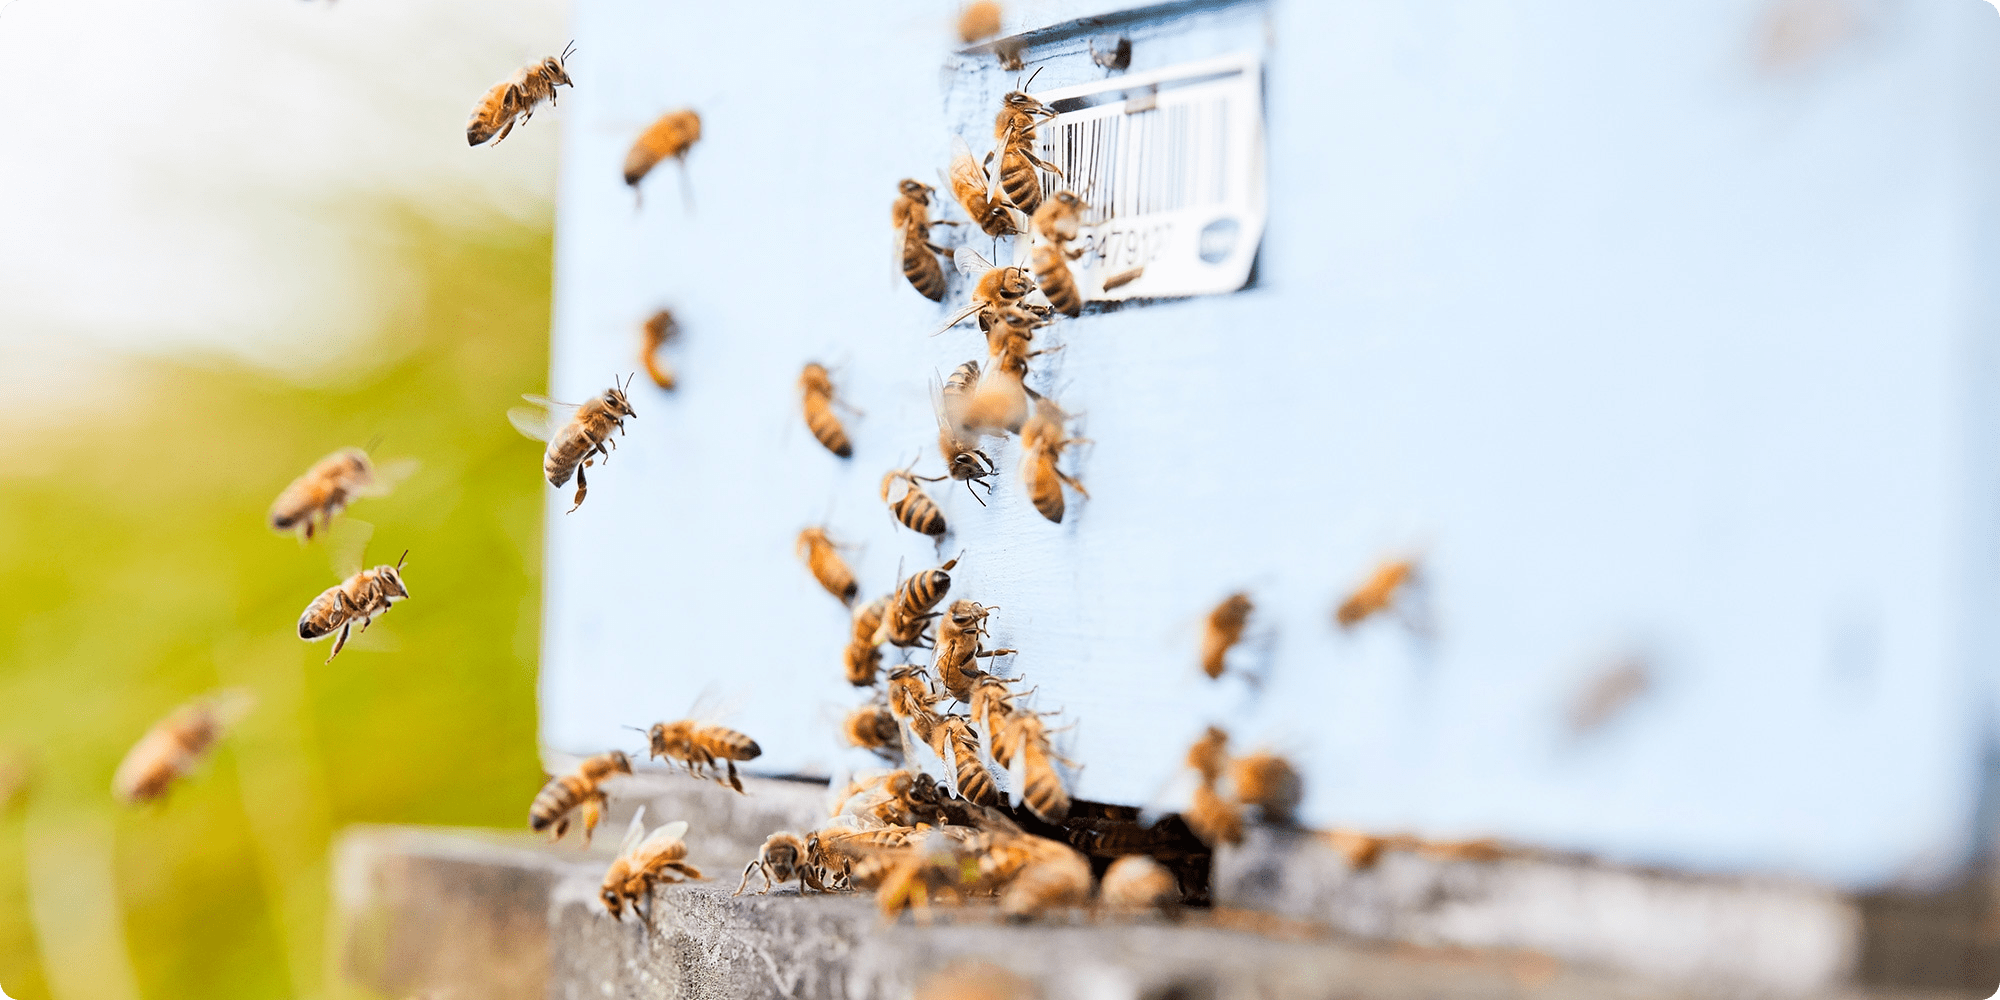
1222	630
655	332
176	744
313	500
702	747
1376	594
670	138
823	558
513	101
359	598
581	790
575	443
817	390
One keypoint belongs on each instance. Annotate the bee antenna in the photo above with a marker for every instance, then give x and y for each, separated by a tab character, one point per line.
1031	78
568	50
373	443
399	562
635	729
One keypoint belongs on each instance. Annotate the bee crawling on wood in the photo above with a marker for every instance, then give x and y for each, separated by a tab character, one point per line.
1015	130
914	509
176	744
970	185
313	500
644	860
958	649
781	859
575	443
703	748
513	101
1057	223
915	252
863	655
359	598
1043	439
993	288
910	613
582	790
874	727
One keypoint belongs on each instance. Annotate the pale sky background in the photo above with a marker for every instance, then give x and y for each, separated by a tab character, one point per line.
172	174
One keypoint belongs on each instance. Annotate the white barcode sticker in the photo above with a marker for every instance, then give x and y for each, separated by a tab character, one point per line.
1171	165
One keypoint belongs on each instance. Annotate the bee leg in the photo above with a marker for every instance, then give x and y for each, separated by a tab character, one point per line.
733	782
562	826
581	486
975	493
339	642
745	884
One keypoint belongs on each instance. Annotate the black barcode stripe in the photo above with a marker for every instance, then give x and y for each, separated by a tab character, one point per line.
1158	160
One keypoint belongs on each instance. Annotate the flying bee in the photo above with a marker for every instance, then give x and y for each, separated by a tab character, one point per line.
827	567
1376	594
1223	629
874	727
1014	128
972	187
669	138
1137	882
817	389
955	744
910	607
1023	747
863	655
513	101
701	747
781	859
1056	224
1042	442
919	256
359	598
958	650
915	508
313	500
575	443
656	331
643	860
993	287
582	790
1269	782
1209	755
176	745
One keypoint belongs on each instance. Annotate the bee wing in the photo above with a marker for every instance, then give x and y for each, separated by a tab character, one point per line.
950	762
950	410
346	544
389	474
635	832
960	316
230	705
970	263
532	422
666	834
1017	773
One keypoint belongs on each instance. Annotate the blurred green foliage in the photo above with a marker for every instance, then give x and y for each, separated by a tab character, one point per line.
136	571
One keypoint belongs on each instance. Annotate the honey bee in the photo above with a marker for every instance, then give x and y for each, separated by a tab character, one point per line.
575	443
1014	128
313	500
1056	224
979	20
1224	628
1022	746
825	427
781	859
963	458
911	702
874	727
1000	404
1137	882
669	138
993	288
1053	882
827	567
701	747
1212	818
915	509
513	101
1269	782
176	745
863	655
953	740
658	329
910	606
969	184
361	597
643	860
1376	594
912	218
1009	334
580	790
992	704
958	647
1042	442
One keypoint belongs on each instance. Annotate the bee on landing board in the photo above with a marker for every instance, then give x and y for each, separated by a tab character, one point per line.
1057	880
670	138
958	649
993	287
1043	440
176	744
914	509
1022	747
359	598
823	558
513	101
781	859
313	500
873	727
1015	130
915	252
643	860
575	443
955	744
656	331
1376	594
1056	224
973	189
826	429
581	789
910	613
1222	630
702	748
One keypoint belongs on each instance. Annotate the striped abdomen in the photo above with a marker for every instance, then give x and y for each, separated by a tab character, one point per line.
571	445
825	427
557	798
827	567
1038	470
1018	178
863	661
726	743
922	591
868	619
921	266
1052	273
958	388
918	512
953	742
1045	794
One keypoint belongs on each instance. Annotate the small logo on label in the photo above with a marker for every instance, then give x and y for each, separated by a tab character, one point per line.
1218	238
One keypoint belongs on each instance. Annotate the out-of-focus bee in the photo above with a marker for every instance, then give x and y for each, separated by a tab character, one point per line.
669	138
1056	881
1042	442
1014	128
969	184
580	789
1361	849
912	217
1009	335
979	20
1376	594
958	647
1137	882
1116	54
1224	628
955	744
657	330
1607	694
1000	404
359	598
992	705
863	655
175	745
1269	782
643	860
820	419
974	981
993	287
781	859
827	567
1209	756
1022	746
963	458
910	607
915	509
874	727
911	702
513	101
1056	224
316	498
704	748
1213	818
575	442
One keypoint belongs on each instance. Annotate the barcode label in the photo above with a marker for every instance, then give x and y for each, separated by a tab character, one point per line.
1170	163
